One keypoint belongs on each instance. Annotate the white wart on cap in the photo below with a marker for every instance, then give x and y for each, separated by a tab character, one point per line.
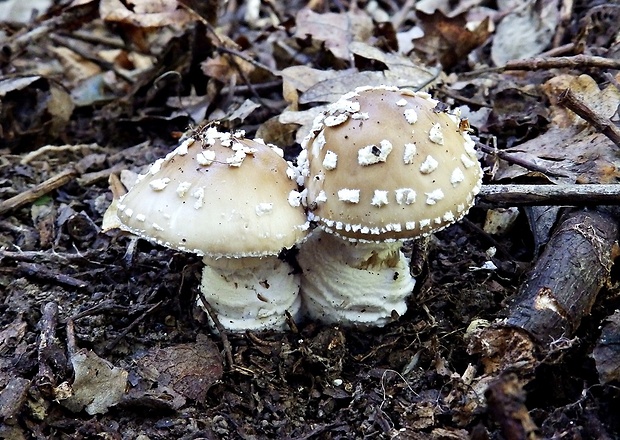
388	164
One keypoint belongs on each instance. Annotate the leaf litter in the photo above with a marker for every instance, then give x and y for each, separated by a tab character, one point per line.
98	90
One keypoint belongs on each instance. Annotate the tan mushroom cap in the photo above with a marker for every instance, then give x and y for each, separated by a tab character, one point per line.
386	164
219	195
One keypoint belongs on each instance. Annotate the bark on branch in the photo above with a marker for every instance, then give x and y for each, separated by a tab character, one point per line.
559	291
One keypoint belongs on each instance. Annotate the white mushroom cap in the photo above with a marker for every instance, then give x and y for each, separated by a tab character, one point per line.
385	164
219	195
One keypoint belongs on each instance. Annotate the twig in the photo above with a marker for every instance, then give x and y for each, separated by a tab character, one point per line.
42	256
220	329
88	55
106	306
45	379
547	195
572	102
89	37
131	326
453	94
247	59
40	272
258	341
37	191
242	88
88	179
71	342
58	150
498	245
517	160
233	53
317	431
572	62
612	80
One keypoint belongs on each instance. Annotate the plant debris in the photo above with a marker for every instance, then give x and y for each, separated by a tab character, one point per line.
100	333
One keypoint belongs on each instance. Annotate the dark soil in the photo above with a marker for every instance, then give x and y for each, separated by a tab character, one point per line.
72	296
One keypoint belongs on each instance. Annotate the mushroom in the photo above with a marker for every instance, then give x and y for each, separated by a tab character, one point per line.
381	165
234	202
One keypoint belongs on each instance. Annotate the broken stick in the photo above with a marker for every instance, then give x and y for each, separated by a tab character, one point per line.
572	102
559	291
548	195
37	191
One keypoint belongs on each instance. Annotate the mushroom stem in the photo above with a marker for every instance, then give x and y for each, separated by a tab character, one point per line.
250	293
356	283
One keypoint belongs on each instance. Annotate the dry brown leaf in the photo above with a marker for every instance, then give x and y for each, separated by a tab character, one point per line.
97	386
448	38
76	67
577	150
34	110
335	30
525	31
409	73
330	90
145	14
245	109
303	118
189	369
300	78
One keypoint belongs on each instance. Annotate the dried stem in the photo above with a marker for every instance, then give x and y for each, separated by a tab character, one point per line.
547	195
572	102
220	329
37	191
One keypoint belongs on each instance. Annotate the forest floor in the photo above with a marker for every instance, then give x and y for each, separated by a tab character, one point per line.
100	336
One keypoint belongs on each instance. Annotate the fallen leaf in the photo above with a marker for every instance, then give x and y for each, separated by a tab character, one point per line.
330	90
189	369
145	14
34	111
336	30
242	111
408	72
18	11
577	151
449	38
301	78
97	386
12	334
525	31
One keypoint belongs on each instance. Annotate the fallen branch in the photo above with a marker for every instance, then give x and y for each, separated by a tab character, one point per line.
38	191
564	283
548	195
571	62
518	160
559	291
49	355
506	405
572	102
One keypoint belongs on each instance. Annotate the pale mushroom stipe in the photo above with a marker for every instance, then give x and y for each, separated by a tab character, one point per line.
380	165
234	202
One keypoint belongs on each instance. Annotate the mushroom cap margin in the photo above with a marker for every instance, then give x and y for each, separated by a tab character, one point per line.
220	204
442	169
